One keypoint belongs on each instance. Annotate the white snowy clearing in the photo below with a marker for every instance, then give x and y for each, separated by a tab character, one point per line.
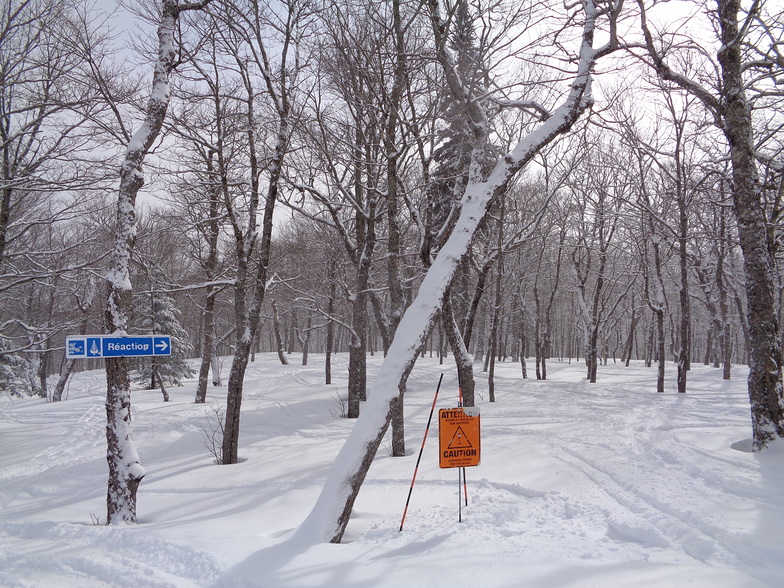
602	485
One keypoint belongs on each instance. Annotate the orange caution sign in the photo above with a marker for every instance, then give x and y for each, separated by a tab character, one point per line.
458	437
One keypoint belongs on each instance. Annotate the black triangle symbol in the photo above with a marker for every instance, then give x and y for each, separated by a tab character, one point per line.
459	440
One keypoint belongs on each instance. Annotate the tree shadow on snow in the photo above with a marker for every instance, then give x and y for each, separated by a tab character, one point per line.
261	567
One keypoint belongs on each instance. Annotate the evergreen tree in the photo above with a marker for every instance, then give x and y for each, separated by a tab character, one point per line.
155	313
15	372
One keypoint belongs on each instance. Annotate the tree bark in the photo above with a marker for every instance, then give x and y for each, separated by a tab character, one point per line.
278	339
161	384
211	265
248	312
463	360
766	394
208	317
396	296
330	336
125	471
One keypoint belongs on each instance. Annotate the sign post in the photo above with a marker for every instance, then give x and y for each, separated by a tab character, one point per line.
88	346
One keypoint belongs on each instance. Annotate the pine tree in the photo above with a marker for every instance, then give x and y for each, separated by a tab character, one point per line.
155	313
460	153
15	372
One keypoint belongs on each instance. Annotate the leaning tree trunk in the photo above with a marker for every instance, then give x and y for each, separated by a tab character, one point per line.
70	365
65	374
161	384
330	516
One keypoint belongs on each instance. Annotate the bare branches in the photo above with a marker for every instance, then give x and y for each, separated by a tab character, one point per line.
667	73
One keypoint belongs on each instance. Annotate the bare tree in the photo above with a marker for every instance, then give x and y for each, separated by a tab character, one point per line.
729	105
330	516
125	471
206	122
48	164
599	197
246	26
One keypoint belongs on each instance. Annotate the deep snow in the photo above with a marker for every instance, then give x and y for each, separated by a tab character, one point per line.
606	484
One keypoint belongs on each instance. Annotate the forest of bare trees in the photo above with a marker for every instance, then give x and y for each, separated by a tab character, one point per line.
479	181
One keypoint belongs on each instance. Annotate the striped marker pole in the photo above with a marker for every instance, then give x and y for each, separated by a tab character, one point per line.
421	449
465	483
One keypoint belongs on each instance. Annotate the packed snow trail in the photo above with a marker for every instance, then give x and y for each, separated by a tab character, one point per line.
580	484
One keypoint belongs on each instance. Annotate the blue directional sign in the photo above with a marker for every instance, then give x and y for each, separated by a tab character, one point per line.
86	346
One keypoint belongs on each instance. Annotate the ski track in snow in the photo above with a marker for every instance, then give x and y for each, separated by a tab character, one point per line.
606	484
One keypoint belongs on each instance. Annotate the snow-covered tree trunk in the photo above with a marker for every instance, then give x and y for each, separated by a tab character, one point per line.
62	380
70	365
766	394
589	322
248	321
543	318
330	516
125	471
215	367
725	335
208	336
684	354
657	303
365	233
495	326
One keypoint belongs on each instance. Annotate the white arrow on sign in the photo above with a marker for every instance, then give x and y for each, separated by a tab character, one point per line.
162	346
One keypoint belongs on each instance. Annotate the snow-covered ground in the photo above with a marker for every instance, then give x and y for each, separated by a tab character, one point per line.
600	485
